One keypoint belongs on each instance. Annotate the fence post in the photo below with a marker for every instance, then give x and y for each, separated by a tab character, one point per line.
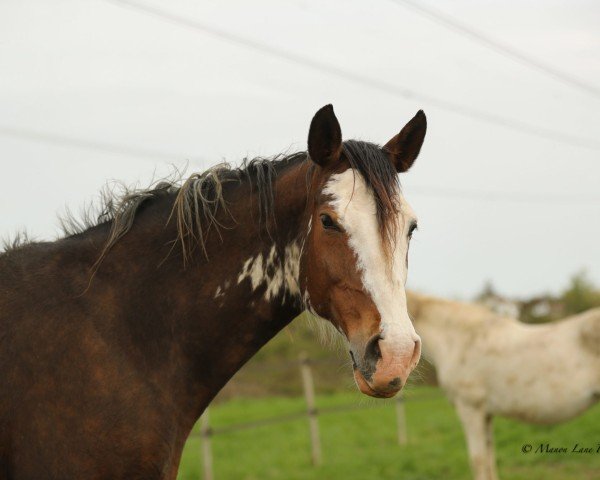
311	409
401	420
205	433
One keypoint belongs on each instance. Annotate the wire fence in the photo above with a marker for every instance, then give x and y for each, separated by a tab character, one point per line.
311	413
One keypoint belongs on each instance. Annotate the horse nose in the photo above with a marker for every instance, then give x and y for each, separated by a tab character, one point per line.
388	363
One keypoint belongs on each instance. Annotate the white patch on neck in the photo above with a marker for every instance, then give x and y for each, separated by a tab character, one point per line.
355	207
279	273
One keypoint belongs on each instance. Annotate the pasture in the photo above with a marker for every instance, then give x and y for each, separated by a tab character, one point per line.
362	444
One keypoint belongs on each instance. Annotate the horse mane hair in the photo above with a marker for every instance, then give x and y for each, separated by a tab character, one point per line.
20	239
200	197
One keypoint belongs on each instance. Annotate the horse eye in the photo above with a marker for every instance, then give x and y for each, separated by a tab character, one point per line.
328	222
411	229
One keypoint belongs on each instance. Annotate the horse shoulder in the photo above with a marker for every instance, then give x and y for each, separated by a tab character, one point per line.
462	372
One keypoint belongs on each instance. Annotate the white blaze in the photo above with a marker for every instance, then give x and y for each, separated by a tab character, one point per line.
355	207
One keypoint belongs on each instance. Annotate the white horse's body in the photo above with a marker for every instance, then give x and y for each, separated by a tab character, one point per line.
492	365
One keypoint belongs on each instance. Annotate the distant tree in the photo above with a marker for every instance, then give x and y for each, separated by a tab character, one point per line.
581	294
488	291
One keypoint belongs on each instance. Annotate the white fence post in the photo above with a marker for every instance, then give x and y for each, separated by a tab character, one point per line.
205	433
309	395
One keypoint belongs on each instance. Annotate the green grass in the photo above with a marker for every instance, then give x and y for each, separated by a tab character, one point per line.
362	444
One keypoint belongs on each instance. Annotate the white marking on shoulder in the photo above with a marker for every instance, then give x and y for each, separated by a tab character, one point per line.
278	272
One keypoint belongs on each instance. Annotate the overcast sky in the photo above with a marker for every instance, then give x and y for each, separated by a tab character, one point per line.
104	74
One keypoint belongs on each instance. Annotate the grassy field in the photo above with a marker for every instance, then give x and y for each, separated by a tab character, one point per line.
362	444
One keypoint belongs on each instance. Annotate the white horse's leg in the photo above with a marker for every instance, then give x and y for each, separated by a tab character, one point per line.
474	424
491	448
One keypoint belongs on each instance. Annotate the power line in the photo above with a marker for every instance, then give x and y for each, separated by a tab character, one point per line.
506	50
440	192
66	141
357	78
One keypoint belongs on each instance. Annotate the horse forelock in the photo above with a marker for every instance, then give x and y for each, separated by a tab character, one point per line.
381	179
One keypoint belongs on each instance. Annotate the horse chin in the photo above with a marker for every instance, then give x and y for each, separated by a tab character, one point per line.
365	388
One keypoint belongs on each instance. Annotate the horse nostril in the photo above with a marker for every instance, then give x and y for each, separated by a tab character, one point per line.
371	357
373	351
377	350
416	353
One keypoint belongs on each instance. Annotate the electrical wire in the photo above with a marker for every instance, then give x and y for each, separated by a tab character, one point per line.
503	48
357	78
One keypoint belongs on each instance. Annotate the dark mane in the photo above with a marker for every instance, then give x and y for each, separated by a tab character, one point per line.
382	179
197	201
199	198
20	239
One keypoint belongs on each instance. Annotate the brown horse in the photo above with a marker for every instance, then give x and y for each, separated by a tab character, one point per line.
114	339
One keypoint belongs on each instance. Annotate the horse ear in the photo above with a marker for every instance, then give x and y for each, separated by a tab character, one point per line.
325	137
404	148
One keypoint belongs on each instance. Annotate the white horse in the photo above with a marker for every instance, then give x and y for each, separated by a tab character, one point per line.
493	365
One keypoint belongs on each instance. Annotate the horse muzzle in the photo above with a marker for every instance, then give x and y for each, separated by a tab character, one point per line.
382	367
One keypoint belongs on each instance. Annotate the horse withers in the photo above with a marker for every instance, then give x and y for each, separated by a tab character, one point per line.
115	338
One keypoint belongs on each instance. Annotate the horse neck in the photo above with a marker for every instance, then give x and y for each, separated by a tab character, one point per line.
443	325
194	327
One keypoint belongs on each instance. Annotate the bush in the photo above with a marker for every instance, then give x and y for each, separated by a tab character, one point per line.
581	294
